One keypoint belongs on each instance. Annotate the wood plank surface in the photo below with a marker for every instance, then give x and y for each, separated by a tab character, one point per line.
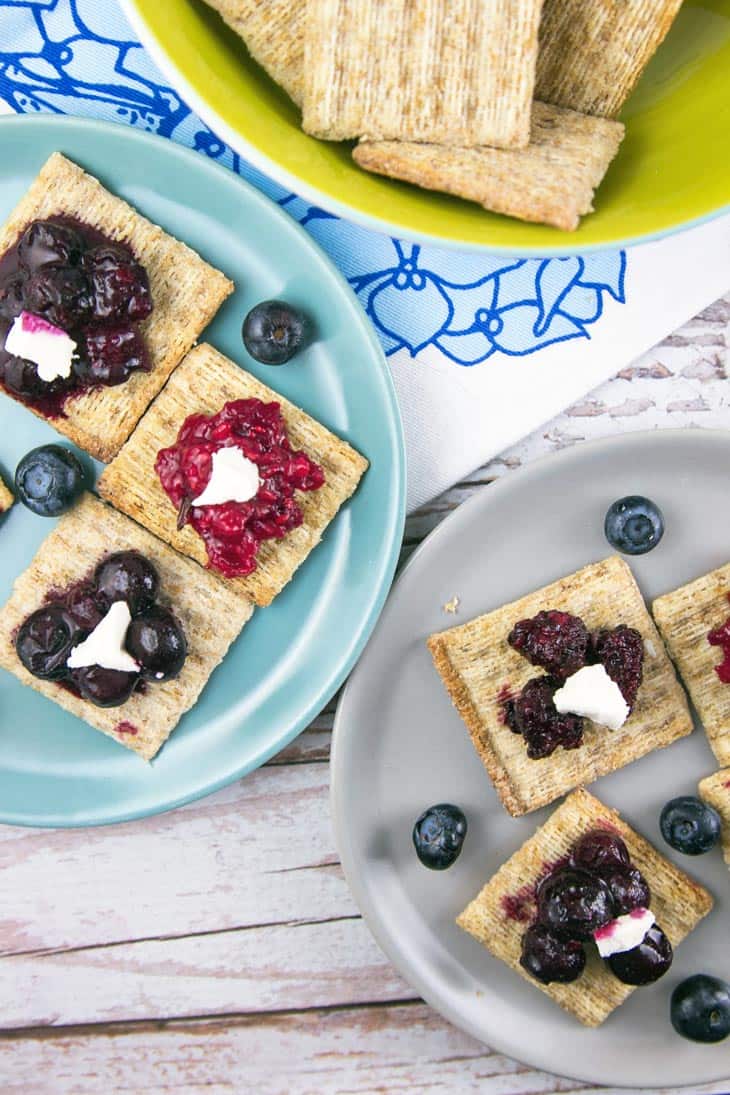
217	948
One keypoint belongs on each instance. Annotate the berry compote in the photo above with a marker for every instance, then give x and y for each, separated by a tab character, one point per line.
720	636
581	900
155	637
233	531
561	644
93	289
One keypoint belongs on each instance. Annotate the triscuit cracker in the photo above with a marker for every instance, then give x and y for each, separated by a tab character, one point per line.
201	385
677	902
212	618
273	31
455	72
685	617
186	293
715	790
592	52
552	181
480	669
6	497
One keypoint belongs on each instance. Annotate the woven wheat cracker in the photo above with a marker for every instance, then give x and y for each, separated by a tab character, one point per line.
715	790
6	497
592	52
479	668
552	181
273	31
456	72
684	618
212	618
186	292
202	384
677	902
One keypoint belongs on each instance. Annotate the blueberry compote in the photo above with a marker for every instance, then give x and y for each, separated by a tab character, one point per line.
155	638
575	899
233	531
561	644
94	289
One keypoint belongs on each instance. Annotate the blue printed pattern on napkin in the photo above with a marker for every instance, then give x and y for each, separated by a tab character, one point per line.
80	57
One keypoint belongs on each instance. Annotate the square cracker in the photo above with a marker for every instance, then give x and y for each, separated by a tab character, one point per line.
715	790
186	292
684	618
211	616
480	668
273	31
456	72
592	52
677	902
201	385
552	181
6	497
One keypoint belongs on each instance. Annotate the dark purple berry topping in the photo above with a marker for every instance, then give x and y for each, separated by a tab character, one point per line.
533	714
104	687
599	850
157	641
629	889
557	641
574	903
621	653
45	640
646	963
549	958
127	576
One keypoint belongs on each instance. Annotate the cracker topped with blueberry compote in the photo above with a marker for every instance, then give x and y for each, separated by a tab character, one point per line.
97	306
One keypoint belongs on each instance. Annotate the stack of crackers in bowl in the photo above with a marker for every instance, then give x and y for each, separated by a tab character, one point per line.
509	104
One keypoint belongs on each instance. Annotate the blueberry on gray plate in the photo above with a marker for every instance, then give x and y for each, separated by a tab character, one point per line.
634	525
438	836
700	1008
49	479
689	825
273	332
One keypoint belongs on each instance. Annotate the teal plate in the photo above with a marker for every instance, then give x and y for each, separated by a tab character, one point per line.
290	659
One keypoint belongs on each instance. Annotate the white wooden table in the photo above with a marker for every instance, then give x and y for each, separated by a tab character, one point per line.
217	948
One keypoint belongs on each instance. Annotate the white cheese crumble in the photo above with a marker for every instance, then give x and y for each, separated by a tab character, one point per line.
233	478
49	348
591	693
105	645
624	933
649	648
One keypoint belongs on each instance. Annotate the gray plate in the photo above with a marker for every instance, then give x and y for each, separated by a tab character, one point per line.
399	747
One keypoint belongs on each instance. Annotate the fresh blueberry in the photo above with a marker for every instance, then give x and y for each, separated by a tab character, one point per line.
689	825
645	963
157	641
438	836
549	958
574	903
104	687
634	525
127	576
49	479
45	640
700	1008
273	331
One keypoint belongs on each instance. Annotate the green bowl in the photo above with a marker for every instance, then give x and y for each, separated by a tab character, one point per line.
673	168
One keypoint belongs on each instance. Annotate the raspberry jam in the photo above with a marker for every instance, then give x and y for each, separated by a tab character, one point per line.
70	276
233	531
720	636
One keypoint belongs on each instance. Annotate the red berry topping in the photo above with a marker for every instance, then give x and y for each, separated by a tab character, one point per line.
233	531
557	641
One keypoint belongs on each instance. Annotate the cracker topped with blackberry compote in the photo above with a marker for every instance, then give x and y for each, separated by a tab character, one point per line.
563	686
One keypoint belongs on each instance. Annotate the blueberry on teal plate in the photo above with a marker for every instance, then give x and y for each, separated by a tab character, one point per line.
49	479
273	332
